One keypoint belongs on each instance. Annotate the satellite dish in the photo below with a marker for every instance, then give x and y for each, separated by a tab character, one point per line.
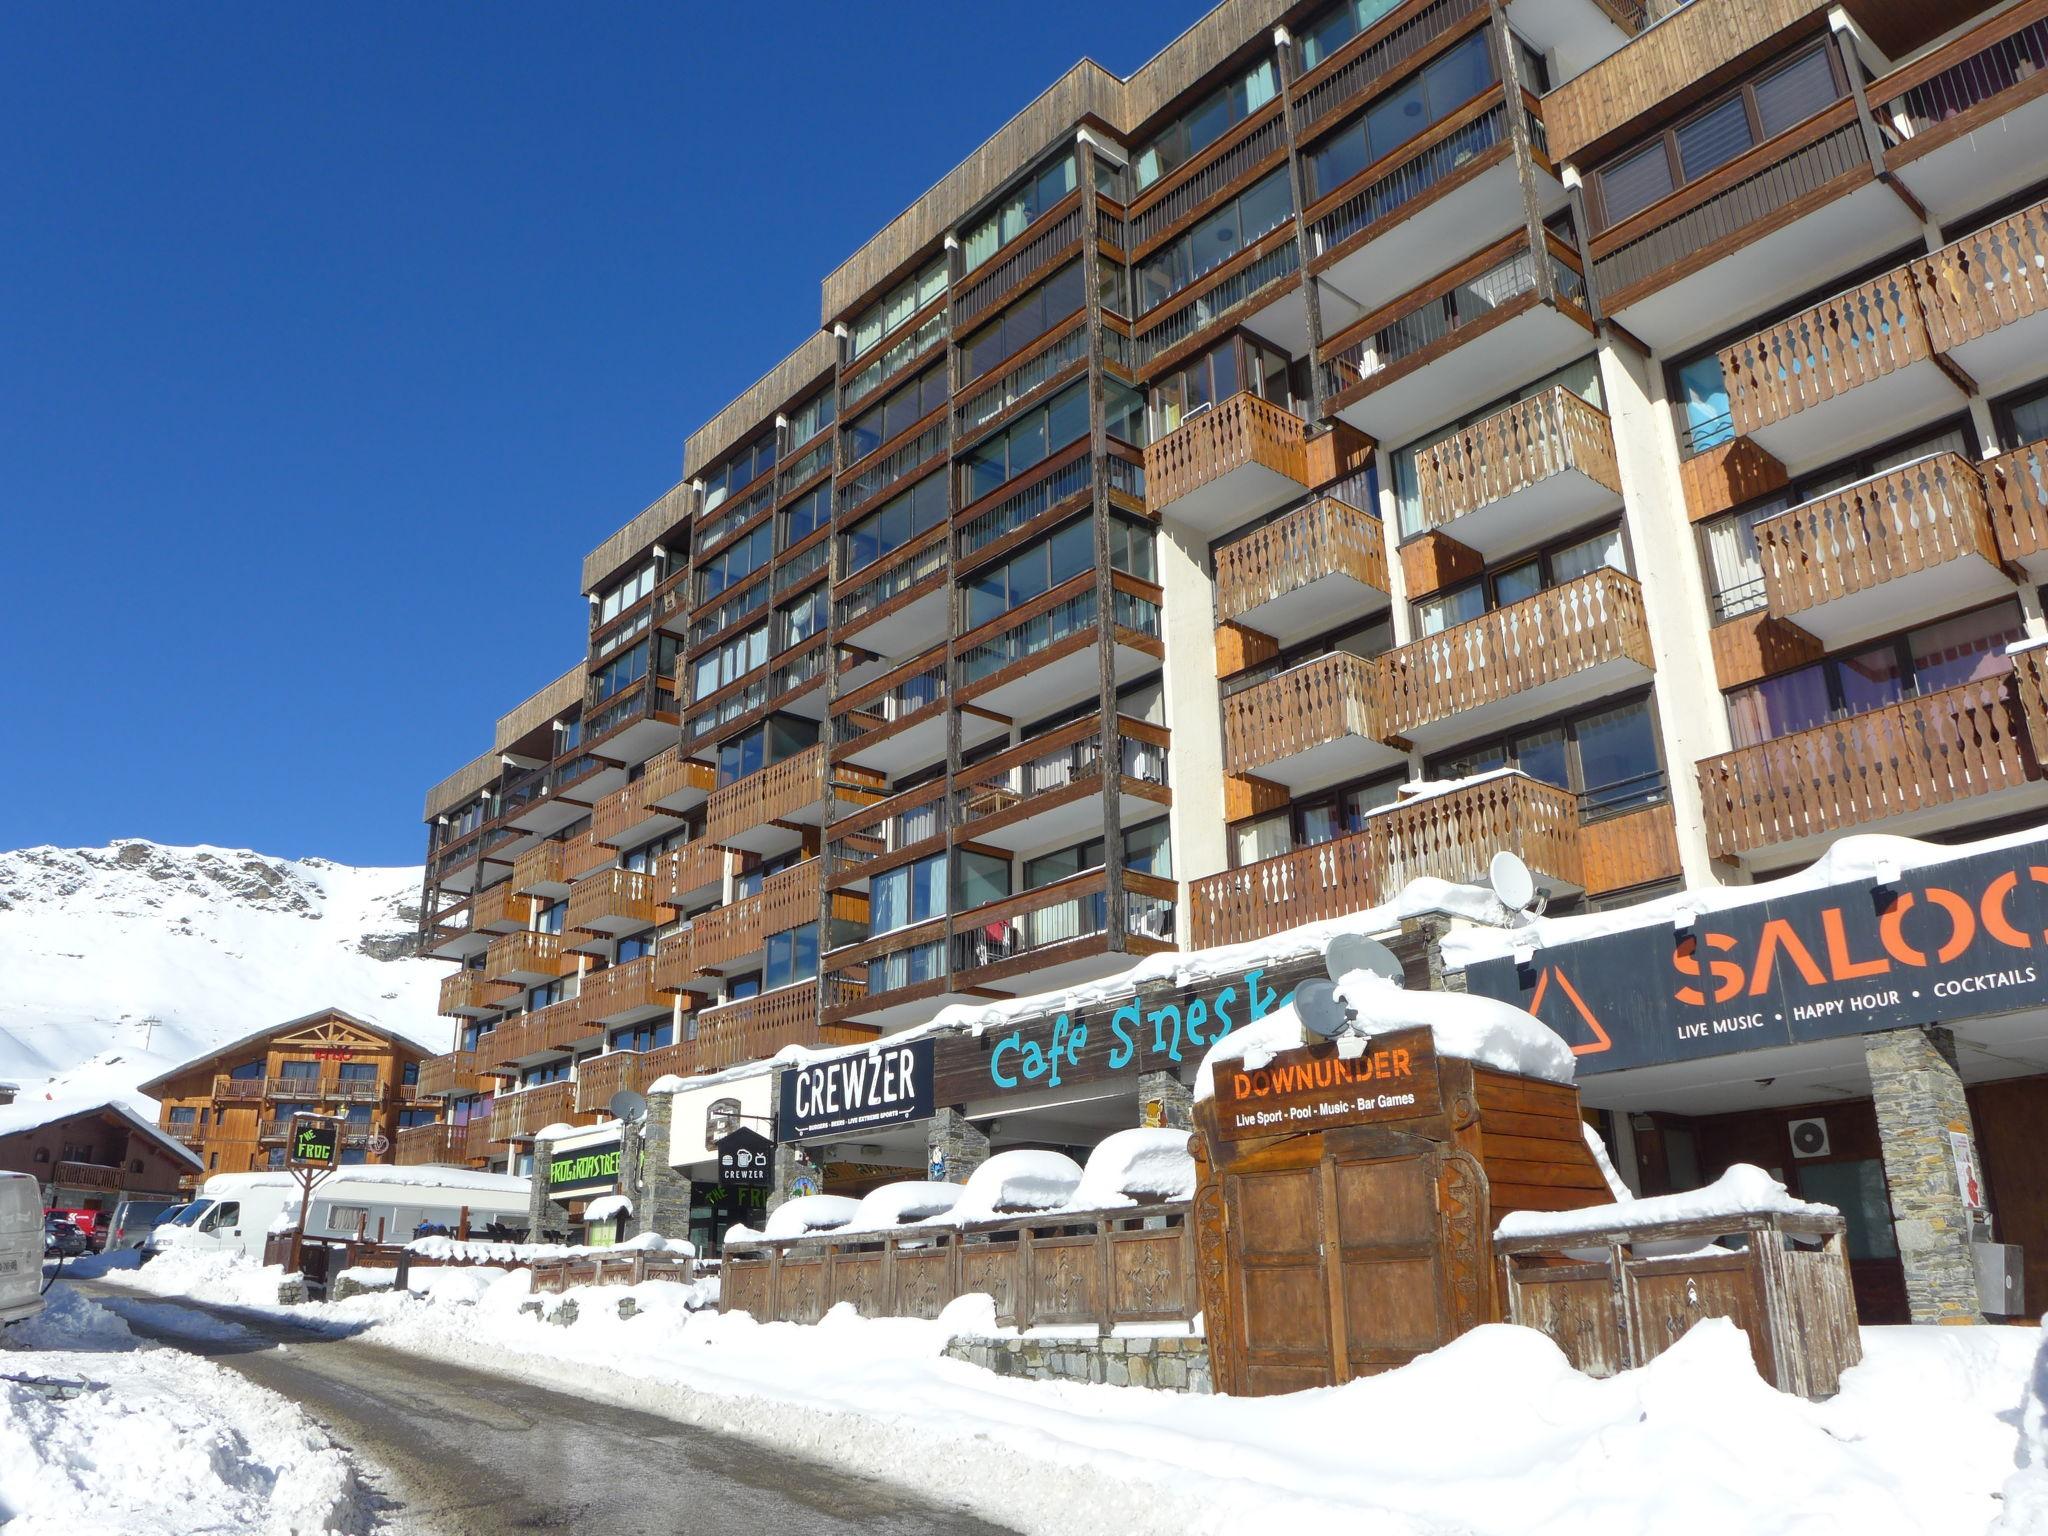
1349	952
627	1105
1316	1005
1511	881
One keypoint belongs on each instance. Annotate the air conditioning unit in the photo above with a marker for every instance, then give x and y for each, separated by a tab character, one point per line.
1809	1138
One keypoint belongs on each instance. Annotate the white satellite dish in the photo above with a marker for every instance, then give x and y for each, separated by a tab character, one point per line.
1317	1006
1348	952
1511	881
627	1105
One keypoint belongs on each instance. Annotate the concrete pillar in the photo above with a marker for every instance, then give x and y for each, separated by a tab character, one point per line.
1919	1096
955	1147
1195	821
1165	1101
540	1211
661	1202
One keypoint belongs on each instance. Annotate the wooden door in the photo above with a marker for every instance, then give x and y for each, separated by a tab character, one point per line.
1281	1298
1387	1274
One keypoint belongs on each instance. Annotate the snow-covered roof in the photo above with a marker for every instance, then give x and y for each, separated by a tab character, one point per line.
604	1207
33	1114
1848	860
420	1175
1743	1190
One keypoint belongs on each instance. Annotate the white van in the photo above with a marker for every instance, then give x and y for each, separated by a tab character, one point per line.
21	1247
239	1211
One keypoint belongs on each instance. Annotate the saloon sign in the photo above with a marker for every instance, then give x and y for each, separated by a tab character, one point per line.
1947	941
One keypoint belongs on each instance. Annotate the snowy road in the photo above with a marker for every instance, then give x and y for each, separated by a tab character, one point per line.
459	1451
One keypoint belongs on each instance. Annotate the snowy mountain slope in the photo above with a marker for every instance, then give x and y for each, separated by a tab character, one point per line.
117	963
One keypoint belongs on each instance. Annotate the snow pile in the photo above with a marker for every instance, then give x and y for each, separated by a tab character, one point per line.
1744	1188
404	1175
2026	1491
160	1442
899	1205
450	1250
808	1213
604	1207
1140	1164
214	943
1011	1183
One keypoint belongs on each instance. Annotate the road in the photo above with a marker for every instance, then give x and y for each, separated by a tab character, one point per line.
455	1451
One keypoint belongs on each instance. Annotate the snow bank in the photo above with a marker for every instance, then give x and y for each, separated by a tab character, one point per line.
898	1205
604	1207
450	1250
2026	1491
1743	1188
1011	1183
1126	1167
810	1213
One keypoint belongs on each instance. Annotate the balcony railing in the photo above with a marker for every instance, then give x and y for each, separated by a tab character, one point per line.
1213	299
1450	152
541	865
1991	278
1321	701
755	1028
518	1114
552	1028
515	956
437	1143
1544	639
1324	538
1892	525
470	991
598	1078
793	787
500	906
1819	354
2016	494
1053	357
1936	98
684	876
611	899
890	577
1242	430
1451	836
453	1073
1055	488
1358	69
671	776
894	697
1918	755
619	990
1515	450
891	826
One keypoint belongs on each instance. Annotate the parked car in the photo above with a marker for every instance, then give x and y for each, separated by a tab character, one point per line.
133	1220
63	1240
21	1263
90	1222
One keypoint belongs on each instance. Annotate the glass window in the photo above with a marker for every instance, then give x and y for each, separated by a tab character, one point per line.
1205	122
1618	761
1778	706
1030	198
1027	441
982	878
898	307
2029	420
1447	609
1964	649
894	524
1794	93
1131	549
1149	849
1045	307
1338	25
907	895
1733	562
1030	573
740	471
1401	113
791	957
810	418
1712	139
357	1072
1266	838
806	515
1255	212
1511	586
298	1070
1587	556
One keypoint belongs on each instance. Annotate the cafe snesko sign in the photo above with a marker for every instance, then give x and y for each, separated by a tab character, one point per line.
1955	940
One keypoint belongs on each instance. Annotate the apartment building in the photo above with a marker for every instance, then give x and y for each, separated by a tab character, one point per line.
1621	420
232	1108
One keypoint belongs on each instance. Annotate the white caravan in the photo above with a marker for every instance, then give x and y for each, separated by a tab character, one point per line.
21	1247
238	1211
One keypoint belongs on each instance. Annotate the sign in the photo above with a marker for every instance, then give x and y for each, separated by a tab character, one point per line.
315	1143
861	1091
1965	1157
585	1170
746	1160
379	1145
1317	1088
803	1184
1140	1035
1949	941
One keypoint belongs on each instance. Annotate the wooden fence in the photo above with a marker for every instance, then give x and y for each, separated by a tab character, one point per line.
1135	1265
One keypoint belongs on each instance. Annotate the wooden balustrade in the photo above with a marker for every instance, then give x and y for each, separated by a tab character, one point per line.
470	991
454	1073
686	875
890	826
675	964
619	989
517	1115
477	1139
789	898
1821	353
755	1028
1917	755
617	814
540	866
1324	538
792	788
1571	628
1450	836
671	776
599	1077
1906	520
1514	450
500	906
1241	430
1990	278
727	933
436	1143
2016	498
527	953
1320	701
610	899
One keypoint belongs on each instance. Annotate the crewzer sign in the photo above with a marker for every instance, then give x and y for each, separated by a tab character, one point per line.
316	1142
1317	1088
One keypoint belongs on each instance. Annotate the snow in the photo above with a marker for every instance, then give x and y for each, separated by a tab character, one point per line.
900	1204
457	1251
1144	1163
604	1207
161	1442
1615	1184
810	1213
1465	1026
1848	860
124	961
1494	1435
1011	1182
407	1175
1743	1189
2026	1491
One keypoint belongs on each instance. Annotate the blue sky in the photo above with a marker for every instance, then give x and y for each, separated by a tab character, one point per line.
332	337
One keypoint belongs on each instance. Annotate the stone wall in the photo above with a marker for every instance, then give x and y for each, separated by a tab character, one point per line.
1919	1096
1172	1364
661	1200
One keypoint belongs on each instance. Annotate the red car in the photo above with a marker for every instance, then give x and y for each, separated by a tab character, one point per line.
91	1223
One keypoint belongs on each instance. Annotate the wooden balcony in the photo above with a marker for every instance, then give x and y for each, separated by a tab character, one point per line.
1521	476
500	908
611	901
1986	299
477	1143
675	782
1060	933
418	1144
539	871
1050	789
469	993
454	1073
755	1028
621	994
624	819
764	812
1962	755
1304	572
728	937
599	1077
1911	543
527	958
1312	725
688	875
553	1028
2016	495
675	967
517	1115
903	826
1240	460
1450	836
1575	642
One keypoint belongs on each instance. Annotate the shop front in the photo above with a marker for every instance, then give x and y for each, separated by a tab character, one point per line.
1874	1032
583	1185
721	1140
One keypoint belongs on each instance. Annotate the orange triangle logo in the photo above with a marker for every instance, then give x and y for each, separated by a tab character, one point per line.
1600	1042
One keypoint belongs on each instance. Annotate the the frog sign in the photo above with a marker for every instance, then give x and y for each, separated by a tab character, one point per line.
315	1142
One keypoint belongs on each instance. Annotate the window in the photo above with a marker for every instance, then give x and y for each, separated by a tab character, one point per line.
895	523
358	1072
1424	99
748	985
1027	441
1214	239
773	740
1131	549
359	1114
1022	323
731	661
797	621
2024	420
1963	649
298	1071
637	947
1337	26
1123	410
547	995
791	957
906	895
1708	139
735	563
806	515
1206	122
898	356
1524	579
995	590
547	1072
1241	362
898	307
1014	215
643	1037
619	673
184	1115
625	595
740	471
810	418
549	918
1145	850
898	413
410	1074
1610	759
